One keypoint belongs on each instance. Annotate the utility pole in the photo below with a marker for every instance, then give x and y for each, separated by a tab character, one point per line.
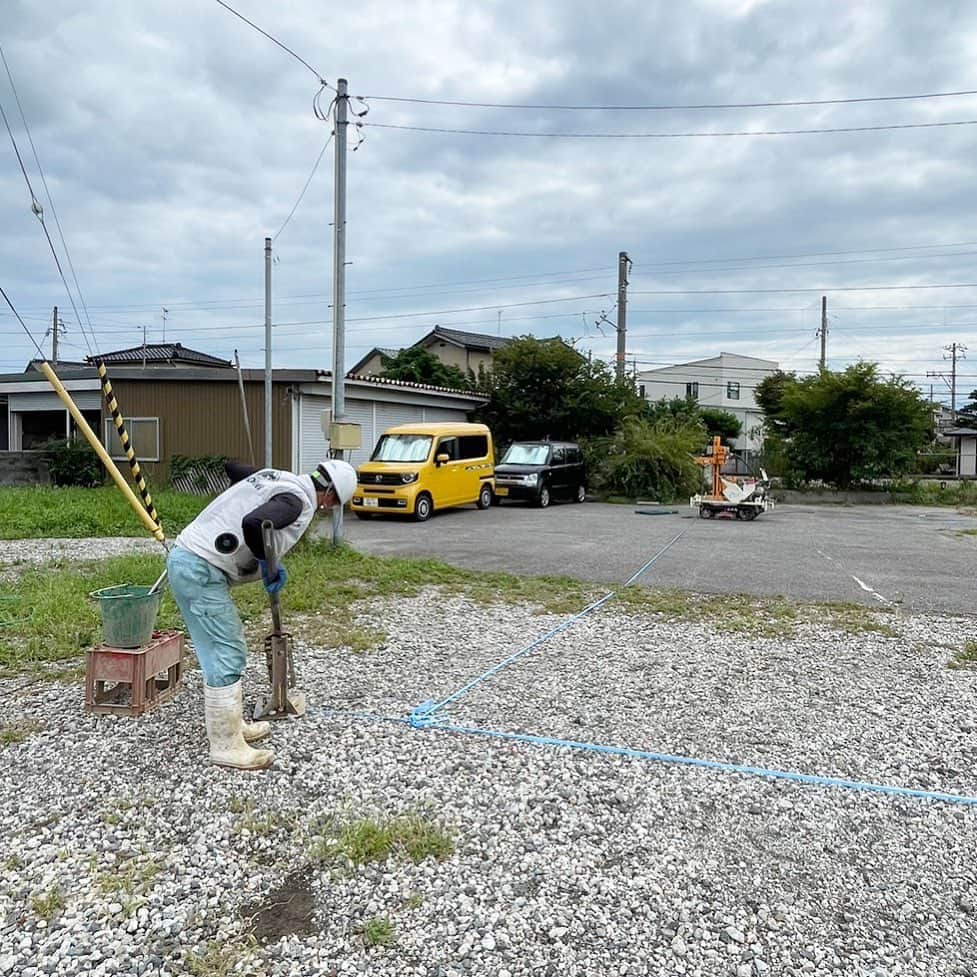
54	337
823	332
956	350
339	285
622	310
166	312
268	445
144	346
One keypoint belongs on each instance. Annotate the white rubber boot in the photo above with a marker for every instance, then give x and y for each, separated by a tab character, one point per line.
253	732
225	730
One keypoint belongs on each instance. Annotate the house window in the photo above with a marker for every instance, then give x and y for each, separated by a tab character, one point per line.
692	391
732	391
143	436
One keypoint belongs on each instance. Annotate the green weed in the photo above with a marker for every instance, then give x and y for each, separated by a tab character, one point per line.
216	960
410	837
378	931
48	904
965	657
17	732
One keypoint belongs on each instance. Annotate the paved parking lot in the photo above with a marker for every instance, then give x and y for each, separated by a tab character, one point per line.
920	558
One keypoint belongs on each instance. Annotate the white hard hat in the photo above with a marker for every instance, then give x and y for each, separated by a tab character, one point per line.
340	475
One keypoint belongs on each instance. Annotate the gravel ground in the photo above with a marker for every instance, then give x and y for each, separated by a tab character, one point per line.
565	862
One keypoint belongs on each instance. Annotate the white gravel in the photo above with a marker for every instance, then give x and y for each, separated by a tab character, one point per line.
566	862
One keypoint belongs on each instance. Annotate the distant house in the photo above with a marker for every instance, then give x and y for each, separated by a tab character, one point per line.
966	444
189	403
727	381
453	347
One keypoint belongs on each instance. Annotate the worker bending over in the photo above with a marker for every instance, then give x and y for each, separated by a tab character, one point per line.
223	547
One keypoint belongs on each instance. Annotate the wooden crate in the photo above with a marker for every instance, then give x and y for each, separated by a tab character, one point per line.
126	682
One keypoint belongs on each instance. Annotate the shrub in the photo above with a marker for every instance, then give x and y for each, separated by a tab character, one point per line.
654	460
73	462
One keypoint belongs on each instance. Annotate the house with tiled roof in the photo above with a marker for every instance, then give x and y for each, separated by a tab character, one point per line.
453	347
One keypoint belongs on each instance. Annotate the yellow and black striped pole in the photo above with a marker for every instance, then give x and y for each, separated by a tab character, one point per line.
152	525
120	426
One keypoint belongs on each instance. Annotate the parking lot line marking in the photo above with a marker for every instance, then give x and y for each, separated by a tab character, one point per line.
869	590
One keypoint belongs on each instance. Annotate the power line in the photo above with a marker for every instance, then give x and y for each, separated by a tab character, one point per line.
275	40
668	135
6	298
776	291
668	108
307	182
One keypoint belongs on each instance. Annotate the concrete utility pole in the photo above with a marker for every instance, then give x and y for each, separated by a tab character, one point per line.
823	332
622	310
956	350
268	445
339	285
166	312
54	337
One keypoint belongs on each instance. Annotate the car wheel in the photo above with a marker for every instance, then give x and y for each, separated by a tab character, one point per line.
423	507
485	497
581	493
543	499
364	515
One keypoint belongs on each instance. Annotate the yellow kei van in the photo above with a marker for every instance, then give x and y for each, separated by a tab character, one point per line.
417	468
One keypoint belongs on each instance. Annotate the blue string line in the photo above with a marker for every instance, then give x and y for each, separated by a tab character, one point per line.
421	723
431	706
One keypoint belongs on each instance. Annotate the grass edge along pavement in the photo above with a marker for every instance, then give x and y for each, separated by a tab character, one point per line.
50	617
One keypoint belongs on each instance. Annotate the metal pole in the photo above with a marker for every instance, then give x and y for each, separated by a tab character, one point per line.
824	331
339	285
54	337
244	406
622	310
268	445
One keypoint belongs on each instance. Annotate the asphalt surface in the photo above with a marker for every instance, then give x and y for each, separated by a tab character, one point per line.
921	559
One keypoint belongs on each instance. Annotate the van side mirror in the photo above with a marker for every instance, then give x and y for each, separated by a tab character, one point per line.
442	459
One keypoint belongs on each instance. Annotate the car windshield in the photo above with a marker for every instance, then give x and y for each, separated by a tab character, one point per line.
527	454
402	447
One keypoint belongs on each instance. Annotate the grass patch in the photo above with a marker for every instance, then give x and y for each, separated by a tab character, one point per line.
411	837
930	493
965	657
17	732
217	959
46	512
378	931
130	883
57	620
966	532
765	617
48	904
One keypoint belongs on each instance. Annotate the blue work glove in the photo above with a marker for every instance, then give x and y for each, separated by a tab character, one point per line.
273	584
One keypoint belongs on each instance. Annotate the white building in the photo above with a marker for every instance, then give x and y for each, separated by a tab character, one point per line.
727	381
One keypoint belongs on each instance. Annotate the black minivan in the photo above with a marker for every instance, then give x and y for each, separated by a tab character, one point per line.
541	471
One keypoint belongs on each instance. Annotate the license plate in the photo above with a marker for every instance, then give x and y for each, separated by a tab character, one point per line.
371	503
501	490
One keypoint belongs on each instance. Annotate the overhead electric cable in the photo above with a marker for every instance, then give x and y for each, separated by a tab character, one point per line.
667	108
307	182
21	321
275	40
50	200
668	135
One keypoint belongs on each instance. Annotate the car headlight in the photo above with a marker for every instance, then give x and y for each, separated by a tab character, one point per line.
532	479
408	477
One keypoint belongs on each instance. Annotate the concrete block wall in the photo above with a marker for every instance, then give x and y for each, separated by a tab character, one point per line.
23	468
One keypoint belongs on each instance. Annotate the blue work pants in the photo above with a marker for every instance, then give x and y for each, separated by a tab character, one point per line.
204	597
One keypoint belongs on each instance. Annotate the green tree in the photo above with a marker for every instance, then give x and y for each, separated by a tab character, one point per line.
716	421
417	365
846	427
541	388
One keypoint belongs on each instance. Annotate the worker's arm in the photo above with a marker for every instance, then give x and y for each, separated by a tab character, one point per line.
237	471
282	510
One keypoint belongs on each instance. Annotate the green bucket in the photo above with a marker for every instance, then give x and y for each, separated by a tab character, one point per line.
128	614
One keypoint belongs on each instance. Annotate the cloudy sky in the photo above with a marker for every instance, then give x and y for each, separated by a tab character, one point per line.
173	138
